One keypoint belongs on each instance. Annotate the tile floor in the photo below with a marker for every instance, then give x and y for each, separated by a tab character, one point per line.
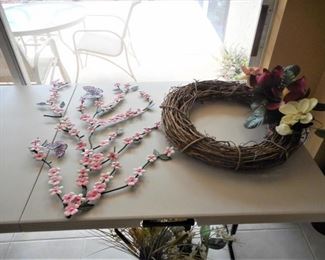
253	241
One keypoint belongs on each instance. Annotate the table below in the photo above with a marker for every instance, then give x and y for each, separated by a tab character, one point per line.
180	188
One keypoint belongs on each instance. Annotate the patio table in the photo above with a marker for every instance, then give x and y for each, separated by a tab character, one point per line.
33	19
41	20
180	188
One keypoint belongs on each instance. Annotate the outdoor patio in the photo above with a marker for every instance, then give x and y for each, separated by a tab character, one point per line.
170	40
182	47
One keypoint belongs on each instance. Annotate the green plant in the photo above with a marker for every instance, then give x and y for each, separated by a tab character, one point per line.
233	58
157	243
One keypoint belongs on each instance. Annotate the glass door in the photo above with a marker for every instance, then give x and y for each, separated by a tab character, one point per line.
164	40
12	71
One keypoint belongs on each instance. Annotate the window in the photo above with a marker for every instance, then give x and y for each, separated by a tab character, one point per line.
164	40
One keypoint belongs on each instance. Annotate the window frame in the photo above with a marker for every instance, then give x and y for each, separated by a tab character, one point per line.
11	53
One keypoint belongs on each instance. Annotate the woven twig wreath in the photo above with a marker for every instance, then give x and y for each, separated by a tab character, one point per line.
273	150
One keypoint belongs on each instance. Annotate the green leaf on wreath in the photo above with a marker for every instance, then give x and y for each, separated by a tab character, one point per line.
320	133
256	118
290	73
255	105
319	107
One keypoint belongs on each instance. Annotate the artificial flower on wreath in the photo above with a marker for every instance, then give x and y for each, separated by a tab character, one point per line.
281	99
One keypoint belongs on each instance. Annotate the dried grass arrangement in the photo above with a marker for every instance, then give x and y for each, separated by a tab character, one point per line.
176	108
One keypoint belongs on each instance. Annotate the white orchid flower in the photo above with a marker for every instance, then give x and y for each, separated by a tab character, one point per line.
283	129
298	111
295	112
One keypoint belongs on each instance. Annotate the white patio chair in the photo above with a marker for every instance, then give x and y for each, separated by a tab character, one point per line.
40	65
104	44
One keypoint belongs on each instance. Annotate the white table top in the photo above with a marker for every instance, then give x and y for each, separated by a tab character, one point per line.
41	18
180	188
20	123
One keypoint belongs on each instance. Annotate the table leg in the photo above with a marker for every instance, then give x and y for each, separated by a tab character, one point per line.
233	231
64	43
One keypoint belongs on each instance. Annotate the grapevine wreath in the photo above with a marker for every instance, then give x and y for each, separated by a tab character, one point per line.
276	98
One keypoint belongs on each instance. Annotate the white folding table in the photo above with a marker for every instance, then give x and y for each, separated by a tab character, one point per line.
180	188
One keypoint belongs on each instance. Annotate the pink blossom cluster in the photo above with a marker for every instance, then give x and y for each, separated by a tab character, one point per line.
128	140
96	192
59	84
118	118
38	150
66	125
39	156
145	96
112	156
81	145
117	99
92	122
85	117
133	179
151	158
72	202
105	177
169	151
55	180
95	123
126	87
92	160
110	138
117	85
82	179
116	165
35	145
53	100
138	172
98	103
81	106
138	136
